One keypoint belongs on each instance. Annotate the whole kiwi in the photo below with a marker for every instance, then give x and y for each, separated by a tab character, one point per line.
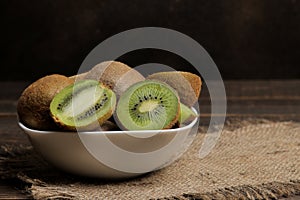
78	77
33	104
115	75
188	85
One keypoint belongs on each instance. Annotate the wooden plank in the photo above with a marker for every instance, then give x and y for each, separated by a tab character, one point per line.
255	109
8	106
253	101
7	191
263	88
10	132
259	89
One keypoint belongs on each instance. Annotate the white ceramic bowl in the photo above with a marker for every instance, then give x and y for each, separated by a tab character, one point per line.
112	154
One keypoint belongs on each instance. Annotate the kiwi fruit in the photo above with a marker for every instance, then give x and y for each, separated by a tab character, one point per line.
186	115
33	105
148	105
84	105
115	75
78	77
188	85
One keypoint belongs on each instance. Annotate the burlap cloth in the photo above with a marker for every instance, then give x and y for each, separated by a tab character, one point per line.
250	161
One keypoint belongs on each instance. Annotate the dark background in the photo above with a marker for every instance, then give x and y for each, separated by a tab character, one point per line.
248	39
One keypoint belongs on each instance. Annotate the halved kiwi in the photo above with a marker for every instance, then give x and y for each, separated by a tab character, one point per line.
186	115
83	106
148	105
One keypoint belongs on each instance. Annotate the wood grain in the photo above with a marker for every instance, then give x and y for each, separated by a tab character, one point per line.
7	191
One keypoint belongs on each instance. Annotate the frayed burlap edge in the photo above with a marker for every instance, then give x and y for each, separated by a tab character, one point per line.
272	190
41	190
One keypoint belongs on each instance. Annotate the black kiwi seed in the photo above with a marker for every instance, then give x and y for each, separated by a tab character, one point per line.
59	107
93	109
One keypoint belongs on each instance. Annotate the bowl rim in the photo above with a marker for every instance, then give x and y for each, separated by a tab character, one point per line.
188	126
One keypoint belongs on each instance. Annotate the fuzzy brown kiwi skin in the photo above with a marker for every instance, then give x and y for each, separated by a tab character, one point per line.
33	105
115	75
188	85
78	77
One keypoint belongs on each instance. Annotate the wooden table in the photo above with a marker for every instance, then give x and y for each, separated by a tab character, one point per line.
275	100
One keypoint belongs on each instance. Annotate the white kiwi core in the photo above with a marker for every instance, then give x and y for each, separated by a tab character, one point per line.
148	106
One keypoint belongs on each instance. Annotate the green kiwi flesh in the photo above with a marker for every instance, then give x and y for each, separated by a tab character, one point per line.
186	114
148	105
83	105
